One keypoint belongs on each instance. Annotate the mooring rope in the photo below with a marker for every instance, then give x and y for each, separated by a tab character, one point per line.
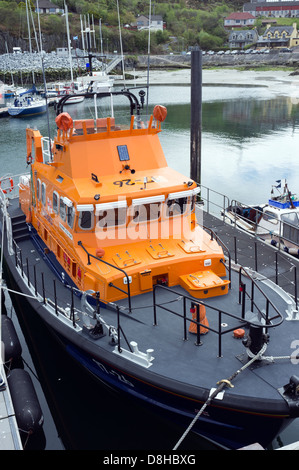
20	293
222	383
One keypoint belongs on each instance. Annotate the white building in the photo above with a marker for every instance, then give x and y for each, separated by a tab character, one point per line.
273	9
45	6
155	24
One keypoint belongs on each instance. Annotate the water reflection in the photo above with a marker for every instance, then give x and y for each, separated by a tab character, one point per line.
249	137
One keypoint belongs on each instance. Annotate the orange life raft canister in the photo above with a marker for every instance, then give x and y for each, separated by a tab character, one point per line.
64	121
160	112
202	319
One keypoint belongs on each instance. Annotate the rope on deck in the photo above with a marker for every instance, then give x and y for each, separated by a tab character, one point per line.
221	384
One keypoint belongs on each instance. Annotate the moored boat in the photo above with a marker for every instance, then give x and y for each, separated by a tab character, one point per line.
59	89
103	238
27	103
276	222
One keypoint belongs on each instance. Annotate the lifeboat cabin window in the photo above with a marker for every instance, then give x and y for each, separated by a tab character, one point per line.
147	208
55	202
181	202
43	194
195	192
70	216
62	209
111	214
176	206
38	189
86	217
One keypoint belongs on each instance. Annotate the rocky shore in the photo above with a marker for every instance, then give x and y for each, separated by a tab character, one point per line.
164	69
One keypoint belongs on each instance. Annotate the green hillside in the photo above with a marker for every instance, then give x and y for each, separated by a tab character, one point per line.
187	22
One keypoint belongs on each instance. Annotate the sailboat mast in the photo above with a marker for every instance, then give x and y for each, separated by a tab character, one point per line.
68	40
148	52
39	28
101	39
82	35
29	36
121	45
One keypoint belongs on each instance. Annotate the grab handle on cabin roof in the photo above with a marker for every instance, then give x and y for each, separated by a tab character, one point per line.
215	236
134	103
112	266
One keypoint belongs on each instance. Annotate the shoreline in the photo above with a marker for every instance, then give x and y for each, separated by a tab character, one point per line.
278	81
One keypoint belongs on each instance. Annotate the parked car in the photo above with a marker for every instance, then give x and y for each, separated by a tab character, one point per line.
286	49
248	51
211	52
220	52
235	51
227	52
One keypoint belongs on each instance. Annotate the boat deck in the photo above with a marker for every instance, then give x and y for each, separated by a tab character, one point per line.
176	358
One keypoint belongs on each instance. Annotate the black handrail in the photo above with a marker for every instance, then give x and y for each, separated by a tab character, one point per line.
112	266
219	332
220	242
134	103
268	301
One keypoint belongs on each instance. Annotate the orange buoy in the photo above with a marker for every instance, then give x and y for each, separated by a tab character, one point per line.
9	188
100	252
202	319
160	112
64	121
239	333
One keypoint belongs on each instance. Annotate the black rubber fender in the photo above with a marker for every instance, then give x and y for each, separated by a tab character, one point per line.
28	412
12	345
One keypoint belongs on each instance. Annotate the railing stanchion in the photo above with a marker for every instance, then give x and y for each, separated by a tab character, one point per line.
28	278
35	283
185	319
43	287
55	297
219	334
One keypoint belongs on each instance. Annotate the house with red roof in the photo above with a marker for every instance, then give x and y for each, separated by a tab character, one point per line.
239	19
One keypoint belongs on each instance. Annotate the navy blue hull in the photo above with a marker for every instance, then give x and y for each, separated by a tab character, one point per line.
27	111
228	428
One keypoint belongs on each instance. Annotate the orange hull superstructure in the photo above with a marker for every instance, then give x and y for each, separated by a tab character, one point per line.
108	192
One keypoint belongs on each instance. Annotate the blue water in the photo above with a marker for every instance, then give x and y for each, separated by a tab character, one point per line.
250	139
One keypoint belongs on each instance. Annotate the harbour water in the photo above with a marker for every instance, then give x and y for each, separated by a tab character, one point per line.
249	140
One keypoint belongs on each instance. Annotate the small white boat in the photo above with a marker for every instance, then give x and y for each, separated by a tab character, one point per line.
95	83
62	89
276	222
